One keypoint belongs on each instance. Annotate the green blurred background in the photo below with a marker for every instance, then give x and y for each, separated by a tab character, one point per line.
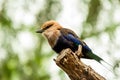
25	55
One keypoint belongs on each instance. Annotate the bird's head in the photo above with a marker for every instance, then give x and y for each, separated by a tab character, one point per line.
49	26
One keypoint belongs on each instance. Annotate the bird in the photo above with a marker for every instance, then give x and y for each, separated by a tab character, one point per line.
61	38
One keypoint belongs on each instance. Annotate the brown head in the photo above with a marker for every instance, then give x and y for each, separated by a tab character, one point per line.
51	30
49	26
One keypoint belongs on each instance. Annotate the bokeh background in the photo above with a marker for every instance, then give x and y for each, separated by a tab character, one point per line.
26	55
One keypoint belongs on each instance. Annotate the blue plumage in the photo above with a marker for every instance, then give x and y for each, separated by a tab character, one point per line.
70	37
76	41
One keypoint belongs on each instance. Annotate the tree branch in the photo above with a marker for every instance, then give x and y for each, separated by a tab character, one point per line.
75	69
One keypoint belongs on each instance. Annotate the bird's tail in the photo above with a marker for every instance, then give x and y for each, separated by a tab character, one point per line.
91	55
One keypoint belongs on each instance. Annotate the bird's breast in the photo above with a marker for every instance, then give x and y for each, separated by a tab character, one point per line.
52	37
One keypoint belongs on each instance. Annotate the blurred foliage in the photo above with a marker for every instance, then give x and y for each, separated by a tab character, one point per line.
94	8
12	66
50	11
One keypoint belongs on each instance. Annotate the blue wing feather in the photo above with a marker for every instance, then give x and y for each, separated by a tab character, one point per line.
70	37
76	41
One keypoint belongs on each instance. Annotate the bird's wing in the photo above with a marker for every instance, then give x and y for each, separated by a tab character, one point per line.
71	36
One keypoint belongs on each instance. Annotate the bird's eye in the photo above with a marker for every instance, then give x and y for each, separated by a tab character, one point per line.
48	26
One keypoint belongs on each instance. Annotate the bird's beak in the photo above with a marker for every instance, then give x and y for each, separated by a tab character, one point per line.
40	31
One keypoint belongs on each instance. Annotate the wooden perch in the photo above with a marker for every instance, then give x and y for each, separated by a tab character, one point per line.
75	69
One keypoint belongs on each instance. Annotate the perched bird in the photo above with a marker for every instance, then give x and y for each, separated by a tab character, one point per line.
61	38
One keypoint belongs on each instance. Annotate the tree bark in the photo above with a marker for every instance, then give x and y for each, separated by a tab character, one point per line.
75	69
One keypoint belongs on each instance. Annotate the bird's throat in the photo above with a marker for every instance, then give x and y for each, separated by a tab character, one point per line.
52	37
